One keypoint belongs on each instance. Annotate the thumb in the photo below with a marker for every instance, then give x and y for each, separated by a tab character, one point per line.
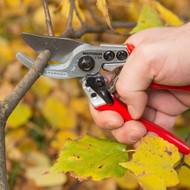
135	77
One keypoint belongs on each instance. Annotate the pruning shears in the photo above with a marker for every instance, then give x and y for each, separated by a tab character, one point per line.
84	61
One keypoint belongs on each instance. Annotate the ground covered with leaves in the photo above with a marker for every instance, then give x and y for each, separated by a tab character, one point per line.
54	111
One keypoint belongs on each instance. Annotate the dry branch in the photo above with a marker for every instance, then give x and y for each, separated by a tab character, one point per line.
9	104
48	18
70	33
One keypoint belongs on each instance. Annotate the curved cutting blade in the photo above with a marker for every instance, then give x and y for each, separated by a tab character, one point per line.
60	48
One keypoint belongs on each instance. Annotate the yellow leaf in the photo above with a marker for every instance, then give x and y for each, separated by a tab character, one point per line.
80	105
42	165
151	182
58	114
168	16
156	157
6	53
13	4
128	181
20	115
61	137
42	87
45	180
102	6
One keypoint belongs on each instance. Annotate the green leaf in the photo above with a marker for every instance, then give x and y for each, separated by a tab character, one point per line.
148	18
92	158
20	115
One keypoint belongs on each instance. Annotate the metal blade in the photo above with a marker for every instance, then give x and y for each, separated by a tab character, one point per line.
58	71
27	61
60	48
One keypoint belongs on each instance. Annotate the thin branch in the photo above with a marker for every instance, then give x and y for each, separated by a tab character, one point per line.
182	161
94	16
97	29
48	18
69	27
78	15
10	103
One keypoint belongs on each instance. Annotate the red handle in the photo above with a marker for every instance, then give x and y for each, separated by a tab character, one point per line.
130	48
121	108
159	86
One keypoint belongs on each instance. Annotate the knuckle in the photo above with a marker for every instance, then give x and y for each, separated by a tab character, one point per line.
146	52
121	88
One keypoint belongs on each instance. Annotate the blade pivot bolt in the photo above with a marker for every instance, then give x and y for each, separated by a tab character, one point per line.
86	63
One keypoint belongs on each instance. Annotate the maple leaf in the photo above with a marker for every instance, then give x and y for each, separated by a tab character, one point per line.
153	162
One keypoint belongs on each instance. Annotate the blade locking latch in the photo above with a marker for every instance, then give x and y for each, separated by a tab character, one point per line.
97	83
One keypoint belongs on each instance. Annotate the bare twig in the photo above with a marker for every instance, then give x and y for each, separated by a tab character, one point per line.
78	15
94	16
48	18
97	29
69	27
182	161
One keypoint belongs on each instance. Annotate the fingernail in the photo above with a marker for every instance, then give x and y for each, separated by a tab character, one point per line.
133	112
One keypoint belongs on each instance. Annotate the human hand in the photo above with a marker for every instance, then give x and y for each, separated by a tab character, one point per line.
161	56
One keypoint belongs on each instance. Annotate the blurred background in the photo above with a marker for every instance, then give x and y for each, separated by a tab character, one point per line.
54	110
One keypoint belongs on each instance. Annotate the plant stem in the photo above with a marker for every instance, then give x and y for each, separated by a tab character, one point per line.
3	176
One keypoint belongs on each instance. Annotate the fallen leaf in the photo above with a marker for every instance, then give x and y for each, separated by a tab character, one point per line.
38	172
42	87
57	114
128	181
5	89
92	158
6	53
21	114
81	107
61	138
45	180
